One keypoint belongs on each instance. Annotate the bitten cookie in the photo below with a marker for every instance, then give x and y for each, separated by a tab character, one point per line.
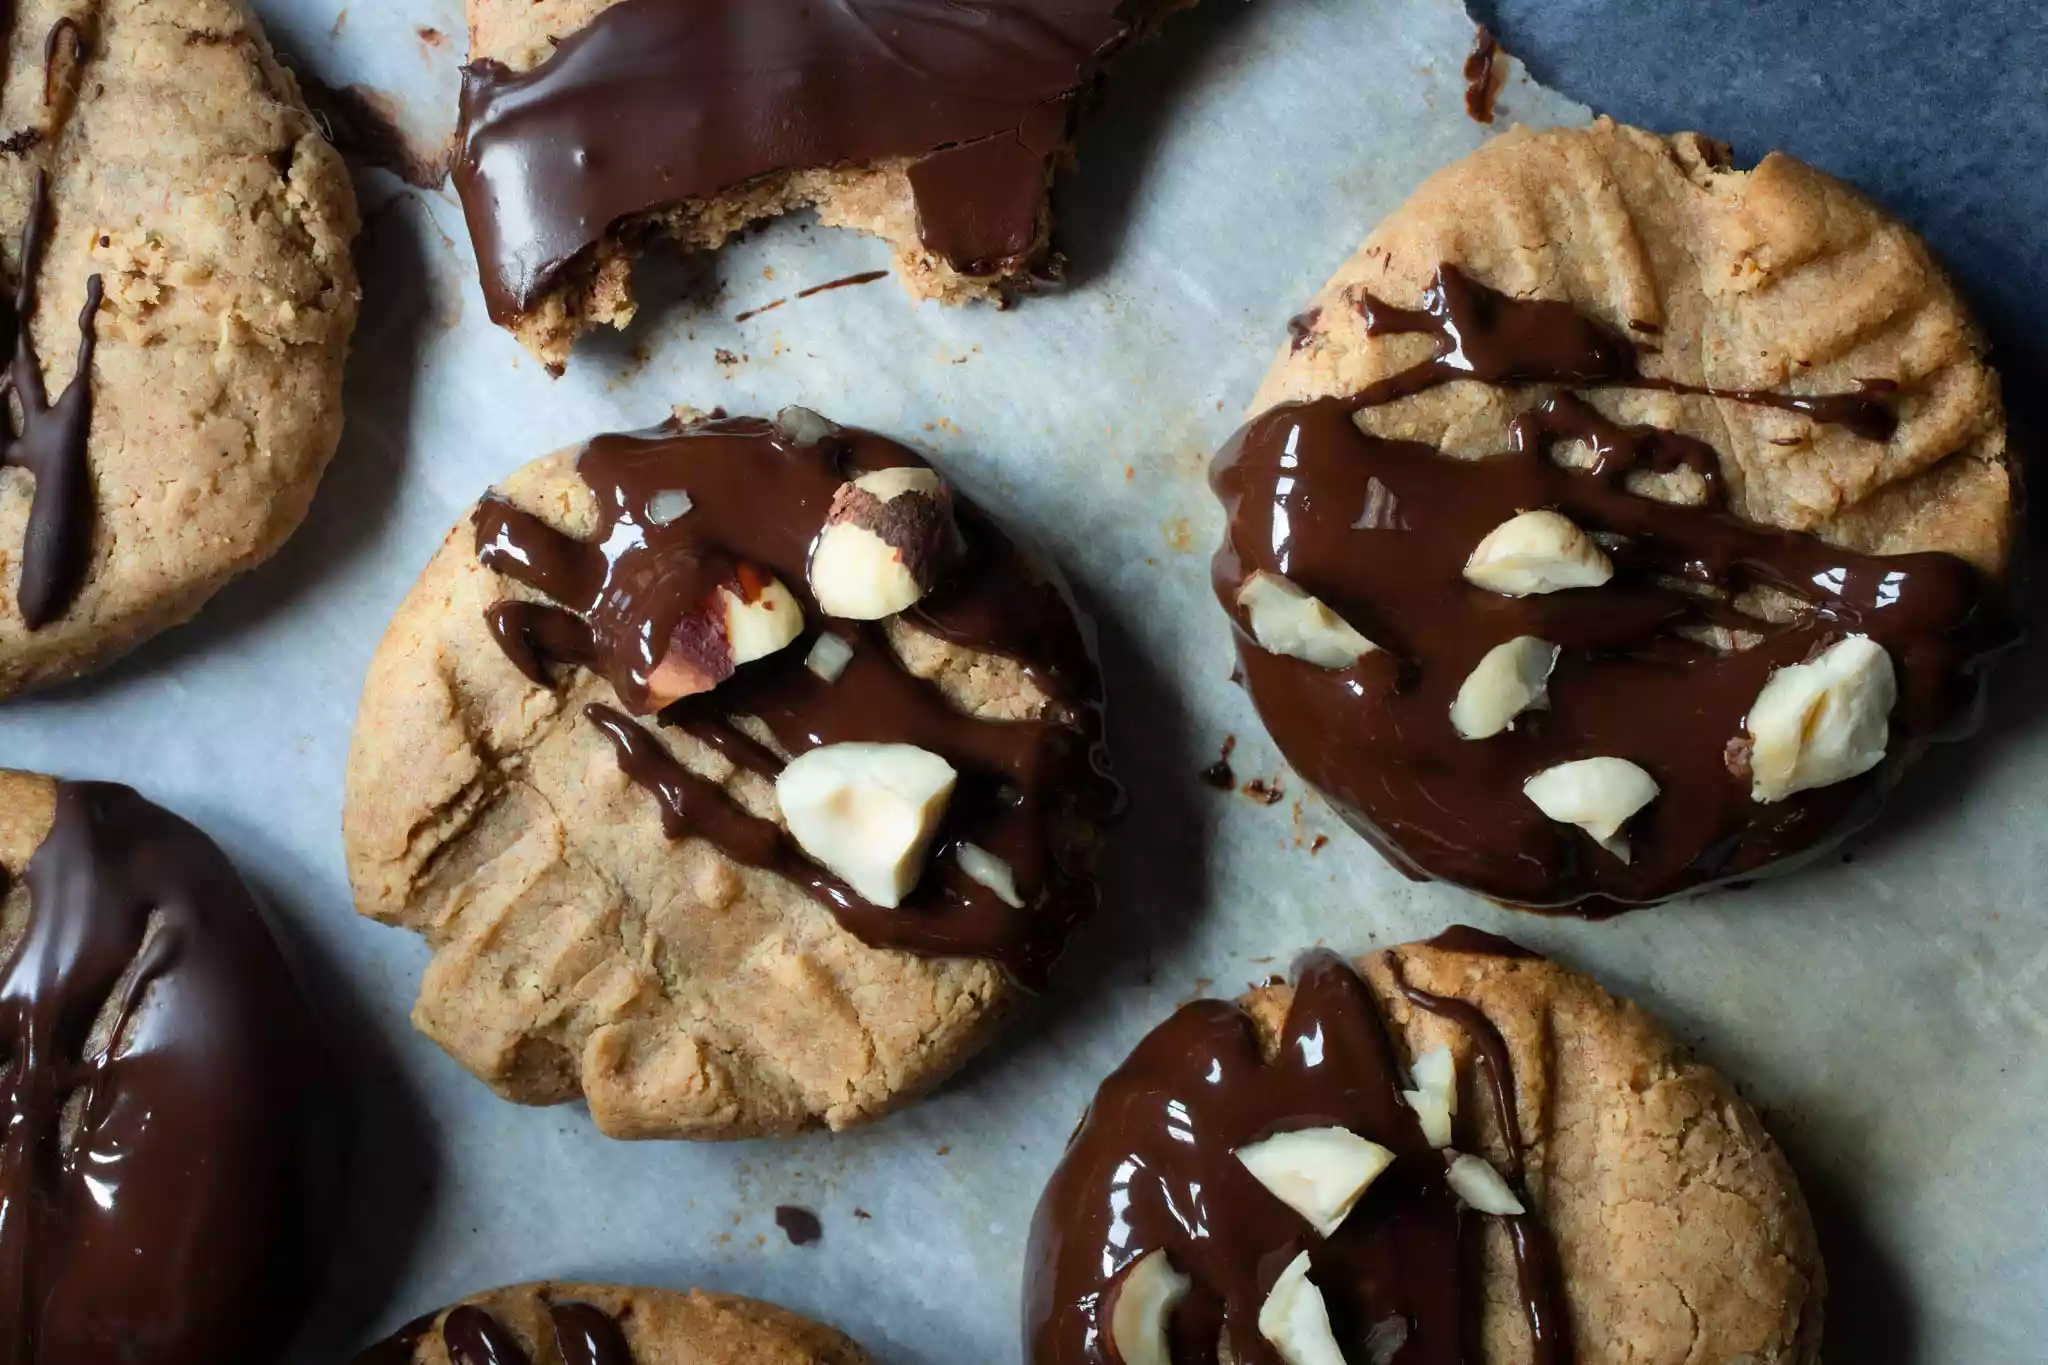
602	1324
178	234
170	1155
591	127
1457	1143
742	775
1617	523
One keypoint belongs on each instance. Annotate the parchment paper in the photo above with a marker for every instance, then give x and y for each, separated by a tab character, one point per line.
1887	1013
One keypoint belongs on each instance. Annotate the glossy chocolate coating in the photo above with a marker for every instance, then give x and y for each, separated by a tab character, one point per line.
51	443
658	102
162	1187
1153	1167
758	500
584	1335
1380	530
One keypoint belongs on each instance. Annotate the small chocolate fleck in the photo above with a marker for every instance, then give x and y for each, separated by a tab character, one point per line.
1266	791
1484	70
800	1225
1218	774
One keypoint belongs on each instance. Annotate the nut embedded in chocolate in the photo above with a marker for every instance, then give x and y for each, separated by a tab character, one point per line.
1823	721
1286	620
1141	1307
744	621
887	538
867	812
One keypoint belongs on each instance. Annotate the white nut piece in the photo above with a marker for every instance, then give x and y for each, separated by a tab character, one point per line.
867	812
1435	1096
1512	678
829	656
1141	1306
758	626
1286	620
1474	1180
1320	1173
1596	794
887	537
1823	721
992	872
731	628
1296	1321
1540	551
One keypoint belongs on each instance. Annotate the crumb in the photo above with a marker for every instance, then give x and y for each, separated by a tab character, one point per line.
944	1149
340	22
1318	844
1130	471
431	37
767	272
1180	536
1265	790
862	1214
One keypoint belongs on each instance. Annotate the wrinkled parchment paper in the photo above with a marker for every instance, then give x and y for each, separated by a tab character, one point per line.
1886	1012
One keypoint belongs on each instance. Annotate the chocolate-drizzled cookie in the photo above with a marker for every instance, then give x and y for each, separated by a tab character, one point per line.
1585	612
1455	1152
596	1324
934	127
168	1159
808	713
174	318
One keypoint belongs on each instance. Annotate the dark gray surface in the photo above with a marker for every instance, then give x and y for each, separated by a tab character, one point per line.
1938	110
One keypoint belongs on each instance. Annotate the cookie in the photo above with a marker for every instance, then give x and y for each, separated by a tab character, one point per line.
604	1324
169	1163
592	127
183	298
1546	1176
1616	523
741	774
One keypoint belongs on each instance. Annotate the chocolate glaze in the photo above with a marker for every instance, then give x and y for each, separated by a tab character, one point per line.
1486	335
1152	1167
1376	738
1536	1270
758	501
656	102
1463	938
584	1335
51	444
162	1192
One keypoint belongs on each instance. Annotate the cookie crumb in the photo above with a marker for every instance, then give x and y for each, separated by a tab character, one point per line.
1266	791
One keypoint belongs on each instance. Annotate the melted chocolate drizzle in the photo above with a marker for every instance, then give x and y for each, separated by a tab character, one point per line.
1536	1270
1495	338
584	1335
161	1198
758	500
656	102
1376	739
1152	1167
51	444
